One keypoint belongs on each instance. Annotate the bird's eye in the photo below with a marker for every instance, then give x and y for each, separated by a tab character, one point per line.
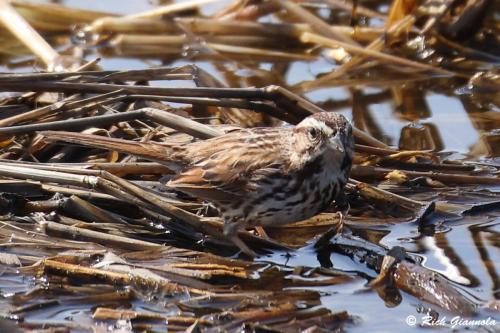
313	133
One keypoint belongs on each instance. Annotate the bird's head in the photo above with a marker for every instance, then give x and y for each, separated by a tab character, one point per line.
324	132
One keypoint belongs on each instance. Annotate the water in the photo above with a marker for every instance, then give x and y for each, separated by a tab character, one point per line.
430	113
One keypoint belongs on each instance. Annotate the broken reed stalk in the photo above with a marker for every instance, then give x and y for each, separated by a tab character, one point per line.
18	26
376	45
70	232
55	17
314	22
375	194
384	57
93	181
167	119
92	274
131	168
18	172
90	212
87	195
172	8
71	102
370	172
297	107
260	52
277	32
360	9
89	76
78	87
116	25
106	314
189	218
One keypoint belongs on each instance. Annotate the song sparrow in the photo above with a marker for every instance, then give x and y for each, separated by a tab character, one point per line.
257	176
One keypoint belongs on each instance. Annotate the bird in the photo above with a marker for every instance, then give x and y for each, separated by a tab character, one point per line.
261	176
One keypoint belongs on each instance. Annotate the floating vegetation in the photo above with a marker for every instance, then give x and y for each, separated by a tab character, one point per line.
91	240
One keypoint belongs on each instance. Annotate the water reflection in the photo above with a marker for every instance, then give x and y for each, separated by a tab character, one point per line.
430	121
412	114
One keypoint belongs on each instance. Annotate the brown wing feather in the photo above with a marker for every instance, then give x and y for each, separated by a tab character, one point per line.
227	167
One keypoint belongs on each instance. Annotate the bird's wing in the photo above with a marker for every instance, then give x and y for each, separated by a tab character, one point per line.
228	168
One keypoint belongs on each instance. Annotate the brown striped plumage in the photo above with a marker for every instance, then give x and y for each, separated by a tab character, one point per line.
258	176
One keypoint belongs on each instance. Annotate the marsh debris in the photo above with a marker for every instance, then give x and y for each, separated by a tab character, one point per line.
90	238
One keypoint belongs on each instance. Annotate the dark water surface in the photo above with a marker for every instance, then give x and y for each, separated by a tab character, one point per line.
436	113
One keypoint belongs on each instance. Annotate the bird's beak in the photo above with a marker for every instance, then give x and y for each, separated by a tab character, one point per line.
336	143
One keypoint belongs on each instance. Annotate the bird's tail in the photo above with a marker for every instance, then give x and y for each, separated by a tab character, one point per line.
163	153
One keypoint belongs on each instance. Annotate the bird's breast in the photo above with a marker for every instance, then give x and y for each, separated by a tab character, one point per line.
292	197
